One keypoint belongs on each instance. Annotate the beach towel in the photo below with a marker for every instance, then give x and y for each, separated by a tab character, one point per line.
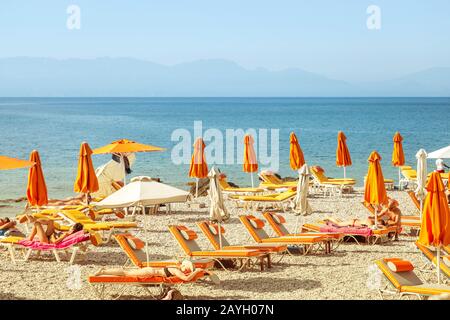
75	238
361	231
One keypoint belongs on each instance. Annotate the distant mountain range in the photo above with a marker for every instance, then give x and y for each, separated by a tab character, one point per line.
125	77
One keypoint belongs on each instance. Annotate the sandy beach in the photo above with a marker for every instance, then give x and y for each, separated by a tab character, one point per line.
340	275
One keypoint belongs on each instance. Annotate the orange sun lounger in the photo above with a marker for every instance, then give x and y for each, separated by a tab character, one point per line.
186	239
211	231
407	283
162	284
377	234
277	222
255	228
135	251
431	256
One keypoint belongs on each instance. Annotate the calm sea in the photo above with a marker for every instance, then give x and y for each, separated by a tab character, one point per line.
56	127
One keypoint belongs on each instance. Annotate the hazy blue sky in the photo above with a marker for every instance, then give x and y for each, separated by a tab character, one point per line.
327	37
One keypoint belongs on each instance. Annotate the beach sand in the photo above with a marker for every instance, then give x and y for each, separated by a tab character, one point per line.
341	275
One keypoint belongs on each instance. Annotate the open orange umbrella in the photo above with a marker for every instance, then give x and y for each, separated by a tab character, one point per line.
250	163
198	168
124	146
435	228
343	158
36	188
374	189
296	158
398	157
7	163
86	181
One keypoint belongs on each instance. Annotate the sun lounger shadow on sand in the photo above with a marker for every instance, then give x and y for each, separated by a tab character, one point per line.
260	284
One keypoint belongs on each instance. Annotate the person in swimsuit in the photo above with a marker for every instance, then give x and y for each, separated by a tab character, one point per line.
50	234
392	216
368	222
8	228
186	272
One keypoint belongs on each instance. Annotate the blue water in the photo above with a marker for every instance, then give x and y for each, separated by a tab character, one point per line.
56	127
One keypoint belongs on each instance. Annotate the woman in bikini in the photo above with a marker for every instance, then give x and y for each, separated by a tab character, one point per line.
185	272
50	234
368	222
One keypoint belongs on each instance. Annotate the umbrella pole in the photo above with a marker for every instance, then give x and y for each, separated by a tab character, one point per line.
376	218
146	234
220	236
421	208
345	173
251	175
87	198
438	264
124	169
196	187
399	177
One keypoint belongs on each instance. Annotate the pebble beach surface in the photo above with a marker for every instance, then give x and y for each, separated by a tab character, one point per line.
347	273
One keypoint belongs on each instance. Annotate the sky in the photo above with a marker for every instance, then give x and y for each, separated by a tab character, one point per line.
329	37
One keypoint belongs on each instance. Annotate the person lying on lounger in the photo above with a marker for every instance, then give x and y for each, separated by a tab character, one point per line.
8	228
49	234
391	215
368	222
186	272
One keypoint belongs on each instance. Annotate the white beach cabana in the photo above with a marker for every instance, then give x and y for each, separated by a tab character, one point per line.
443	153
140	194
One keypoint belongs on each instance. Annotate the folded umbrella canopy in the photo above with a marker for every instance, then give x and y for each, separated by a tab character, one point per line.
421	190
123	147
36	188
296	158
343	158
217	211
7	163
398	157
250	163
198	168
435	228
86	181
301	203
374	189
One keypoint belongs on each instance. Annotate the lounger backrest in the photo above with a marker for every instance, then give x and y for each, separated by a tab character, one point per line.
185	238
285	195
137	257
224	183
409	174
276	221
255	227
318	174
414	199
211	231
399	279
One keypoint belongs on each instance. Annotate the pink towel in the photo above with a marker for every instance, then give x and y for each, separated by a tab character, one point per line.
75	238
361	231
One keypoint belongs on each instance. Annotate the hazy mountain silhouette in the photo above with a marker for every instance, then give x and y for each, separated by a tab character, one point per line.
24	76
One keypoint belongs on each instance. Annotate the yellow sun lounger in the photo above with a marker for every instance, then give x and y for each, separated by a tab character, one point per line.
271	182
227	188
328	185
407	283
134	248
309	240
281	201
211	231
186	239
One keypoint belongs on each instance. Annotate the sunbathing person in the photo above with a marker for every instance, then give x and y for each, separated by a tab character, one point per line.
391	215
368	222
185	272
8	228
50	234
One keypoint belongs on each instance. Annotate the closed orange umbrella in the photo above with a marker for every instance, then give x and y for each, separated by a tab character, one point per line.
86	181
435	228
250	163
7	163
374	189
36	188
398	157
296	158
198	168
124	146
343	158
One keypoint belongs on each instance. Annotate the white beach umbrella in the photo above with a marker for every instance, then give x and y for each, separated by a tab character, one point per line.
217	211
443	153
139	194
301	203
421	191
